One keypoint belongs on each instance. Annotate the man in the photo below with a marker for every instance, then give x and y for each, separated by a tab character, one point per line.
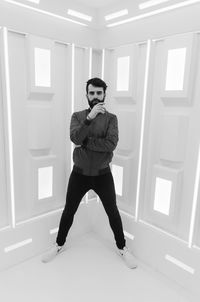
94	132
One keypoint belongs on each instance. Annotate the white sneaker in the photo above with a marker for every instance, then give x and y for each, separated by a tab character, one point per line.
52	253
128	258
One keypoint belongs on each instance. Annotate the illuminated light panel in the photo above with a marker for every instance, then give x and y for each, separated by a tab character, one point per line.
53	231
9	117
42	67
44	12
90	62
195	201
162	195
118	178
118	14
128	235
17	245
146	80
182	265
103	64
45	182
123	65
72	92
74	13
34	1
155	12
175	69
151	3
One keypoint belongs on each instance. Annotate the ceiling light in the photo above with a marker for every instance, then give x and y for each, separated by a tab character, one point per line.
34	1
79	15
154	12
151	3
44	12
116	14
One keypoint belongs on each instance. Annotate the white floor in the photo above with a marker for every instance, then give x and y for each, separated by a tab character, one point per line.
90	270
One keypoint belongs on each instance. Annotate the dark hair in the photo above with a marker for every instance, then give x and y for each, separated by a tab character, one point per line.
96	82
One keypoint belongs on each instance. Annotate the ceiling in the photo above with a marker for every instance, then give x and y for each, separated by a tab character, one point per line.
98	3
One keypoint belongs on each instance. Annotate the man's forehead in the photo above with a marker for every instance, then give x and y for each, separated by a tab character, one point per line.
93	88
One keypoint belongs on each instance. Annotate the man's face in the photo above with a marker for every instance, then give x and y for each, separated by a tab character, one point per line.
95	95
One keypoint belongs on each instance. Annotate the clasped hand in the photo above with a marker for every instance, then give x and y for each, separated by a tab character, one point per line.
98	108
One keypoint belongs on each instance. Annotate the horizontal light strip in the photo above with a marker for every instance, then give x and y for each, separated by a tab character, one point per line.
155	12
182	265
195	200
116	14
162	231
5	228
128	235
17	245
196	247
74	13
53	231
34	1
127	214
151	3
40	216
44	12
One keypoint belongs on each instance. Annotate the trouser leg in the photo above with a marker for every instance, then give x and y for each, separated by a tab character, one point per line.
77	187
104	187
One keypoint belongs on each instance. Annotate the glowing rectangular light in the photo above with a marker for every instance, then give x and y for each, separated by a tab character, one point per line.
151	3
154	12
17	245
118	178
34	1
128	235
43	12
45	182
118	14
79	15
123	73
162	195
42	67
53	231
182	265
175	69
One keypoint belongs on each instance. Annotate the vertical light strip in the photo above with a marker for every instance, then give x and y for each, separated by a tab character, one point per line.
89	76
142	127
72	92
9	119
194	204
103	64
90	63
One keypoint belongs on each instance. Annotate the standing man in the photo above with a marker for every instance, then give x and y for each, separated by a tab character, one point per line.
94	132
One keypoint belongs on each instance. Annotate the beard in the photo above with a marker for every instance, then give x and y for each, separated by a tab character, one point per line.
95	102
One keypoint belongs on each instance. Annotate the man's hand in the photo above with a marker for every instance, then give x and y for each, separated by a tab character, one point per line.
98	108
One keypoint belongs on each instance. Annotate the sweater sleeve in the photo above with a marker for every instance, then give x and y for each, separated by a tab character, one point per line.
109	142
78	130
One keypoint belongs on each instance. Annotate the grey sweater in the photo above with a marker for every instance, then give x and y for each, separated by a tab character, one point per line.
95	141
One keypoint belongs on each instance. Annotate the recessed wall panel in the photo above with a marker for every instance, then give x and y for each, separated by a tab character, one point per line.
41	120
174	137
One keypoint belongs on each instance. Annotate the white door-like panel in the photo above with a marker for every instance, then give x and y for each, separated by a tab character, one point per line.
124	73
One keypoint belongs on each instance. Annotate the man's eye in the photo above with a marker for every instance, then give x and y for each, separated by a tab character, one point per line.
91	93
99	92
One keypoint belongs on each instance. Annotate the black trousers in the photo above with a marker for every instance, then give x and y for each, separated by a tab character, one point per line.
78	186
